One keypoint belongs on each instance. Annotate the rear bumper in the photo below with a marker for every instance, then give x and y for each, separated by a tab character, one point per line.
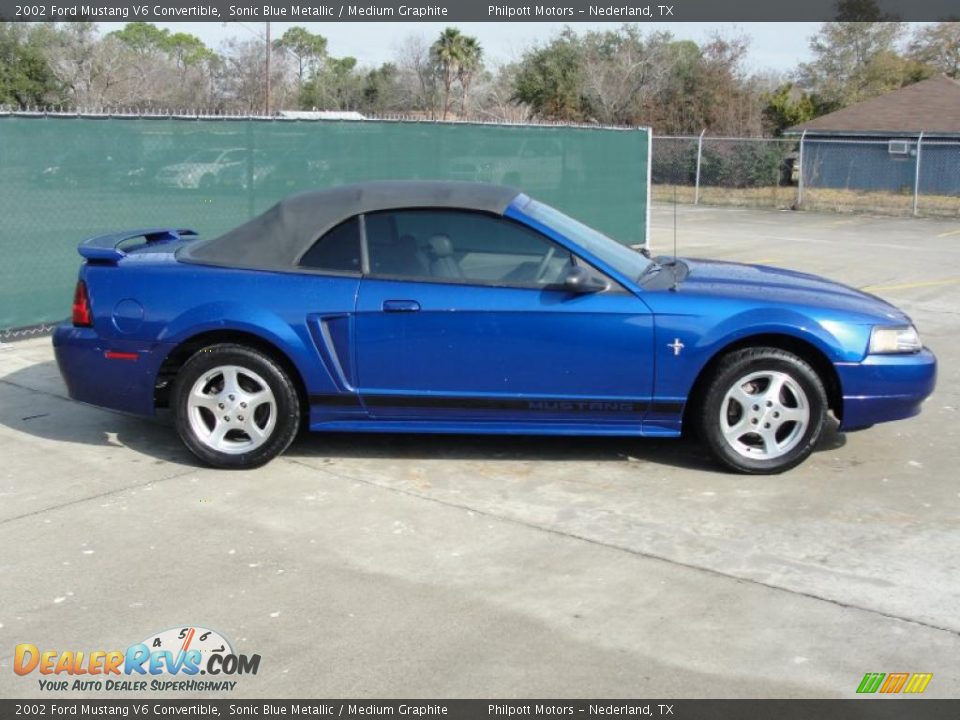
885	387
122	384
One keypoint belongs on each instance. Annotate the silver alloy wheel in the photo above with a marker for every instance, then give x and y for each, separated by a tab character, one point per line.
764	415
232	410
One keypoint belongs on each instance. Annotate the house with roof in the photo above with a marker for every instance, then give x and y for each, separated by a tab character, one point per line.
874	145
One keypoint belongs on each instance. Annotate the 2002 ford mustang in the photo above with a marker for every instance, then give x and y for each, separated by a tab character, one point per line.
459	307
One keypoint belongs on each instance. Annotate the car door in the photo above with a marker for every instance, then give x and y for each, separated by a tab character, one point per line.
460	317
329	301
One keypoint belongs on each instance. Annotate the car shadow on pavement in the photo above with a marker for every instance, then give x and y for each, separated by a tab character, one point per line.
33	400
685	452
50	415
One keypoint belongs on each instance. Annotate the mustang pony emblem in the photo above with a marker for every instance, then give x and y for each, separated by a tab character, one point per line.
676	346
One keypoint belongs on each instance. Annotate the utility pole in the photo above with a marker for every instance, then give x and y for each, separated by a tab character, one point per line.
916	176
269	48
696	191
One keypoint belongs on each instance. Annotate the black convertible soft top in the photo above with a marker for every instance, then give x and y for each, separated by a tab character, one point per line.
278	238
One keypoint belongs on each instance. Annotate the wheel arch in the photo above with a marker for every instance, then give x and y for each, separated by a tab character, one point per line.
805	350
187	348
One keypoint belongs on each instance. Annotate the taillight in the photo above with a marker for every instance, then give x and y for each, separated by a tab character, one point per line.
82	317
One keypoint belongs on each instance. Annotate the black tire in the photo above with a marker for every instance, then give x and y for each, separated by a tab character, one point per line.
741	364
285	396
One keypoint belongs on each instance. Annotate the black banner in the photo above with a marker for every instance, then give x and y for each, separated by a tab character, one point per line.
866	709
566	11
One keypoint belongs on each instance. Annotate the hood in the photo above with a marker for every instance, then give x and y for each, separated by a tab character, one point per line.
776	285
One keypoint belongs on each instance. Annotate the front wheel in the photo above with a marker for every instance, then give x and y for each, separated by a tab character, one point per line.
763	411
234	407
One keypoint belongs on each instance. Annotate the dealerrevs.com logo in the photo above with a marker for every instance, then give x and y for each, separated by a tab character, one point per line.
170	660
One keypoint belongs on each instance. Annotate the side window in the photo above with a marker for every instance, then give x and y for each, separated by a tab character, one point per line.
337	251
233	156
461	245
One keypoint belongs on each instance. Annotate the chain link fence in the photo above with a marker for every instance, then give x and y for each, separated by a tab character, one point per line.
919	176
64	177
724	171
673	168
903	176
938	181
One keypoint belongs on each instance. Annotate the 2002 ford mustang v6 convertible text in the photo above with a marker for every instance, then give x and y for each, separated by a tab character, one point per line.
460	307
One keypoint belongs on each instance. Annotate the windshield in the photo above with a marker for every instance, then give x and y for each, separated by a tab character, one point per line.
620	257
205	156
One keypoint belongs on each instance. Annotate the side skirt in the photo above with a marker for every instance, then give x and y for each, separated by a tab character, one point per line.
346	413
488	428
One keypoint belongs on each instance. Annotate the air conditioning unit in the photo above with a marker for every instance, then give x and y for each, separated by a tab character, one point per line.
898	147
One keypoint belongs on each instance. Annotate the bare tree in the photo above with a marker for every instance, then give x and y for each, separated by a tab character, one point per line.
493	96
243	74
413	61
938	46
851	62
623	73
93	70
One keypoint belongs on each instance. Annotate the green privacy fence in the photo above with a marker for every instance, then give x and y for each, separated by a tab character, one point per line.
63	178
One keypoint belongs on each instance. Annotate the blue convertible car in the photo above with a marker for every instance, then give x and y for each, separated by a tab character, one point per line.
459	307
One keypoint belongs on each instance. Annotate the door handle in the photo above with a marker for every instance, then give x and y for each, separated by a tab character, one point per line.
401	306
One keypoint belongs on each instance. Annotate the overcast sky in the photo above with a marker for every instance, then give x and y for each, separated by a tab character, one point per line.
774	46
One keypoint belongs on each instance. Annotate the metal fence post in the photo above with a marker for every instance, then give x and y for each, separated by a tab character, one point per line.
916	175
250	171
803	136
646	231
696	190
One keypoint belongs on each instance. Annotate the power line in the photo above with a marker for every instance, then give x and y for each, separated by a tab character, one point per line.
263	37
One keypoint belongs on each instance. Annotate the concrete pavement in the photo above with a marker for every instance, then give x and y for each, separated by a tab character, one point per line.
416	566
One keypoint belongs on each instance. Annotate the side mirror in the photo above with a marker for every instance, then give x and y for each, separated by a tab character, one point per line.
580	280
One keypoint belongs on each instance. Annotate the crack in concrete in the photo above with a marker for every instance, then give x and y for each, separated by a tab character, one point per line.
630	551
98	496
515	521
11	383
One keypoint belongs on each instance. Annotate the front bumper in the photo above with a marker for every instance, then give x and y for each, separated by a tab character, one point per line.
885	387
119	384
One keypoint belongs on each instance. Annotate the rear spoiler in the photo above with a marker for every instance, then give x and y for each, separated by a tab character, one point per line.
106	248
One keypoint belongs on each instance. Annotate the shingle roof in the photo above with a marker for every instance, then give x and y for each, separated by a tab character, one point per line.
932	106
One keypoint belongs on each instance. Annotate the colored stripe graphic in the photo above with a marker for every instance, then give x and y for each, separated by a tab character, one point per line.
918	682
870	682
894	682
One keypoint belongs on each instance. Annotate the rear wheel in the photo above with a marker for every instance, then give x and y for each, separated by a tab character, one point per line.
763	411
234	407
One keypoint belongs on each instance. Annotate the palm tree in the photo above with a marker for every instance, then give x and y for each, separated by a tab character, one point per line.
470	62
447	56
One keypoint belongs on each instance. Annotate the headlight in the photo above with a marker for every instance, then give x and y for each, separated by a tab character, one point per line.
902	339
